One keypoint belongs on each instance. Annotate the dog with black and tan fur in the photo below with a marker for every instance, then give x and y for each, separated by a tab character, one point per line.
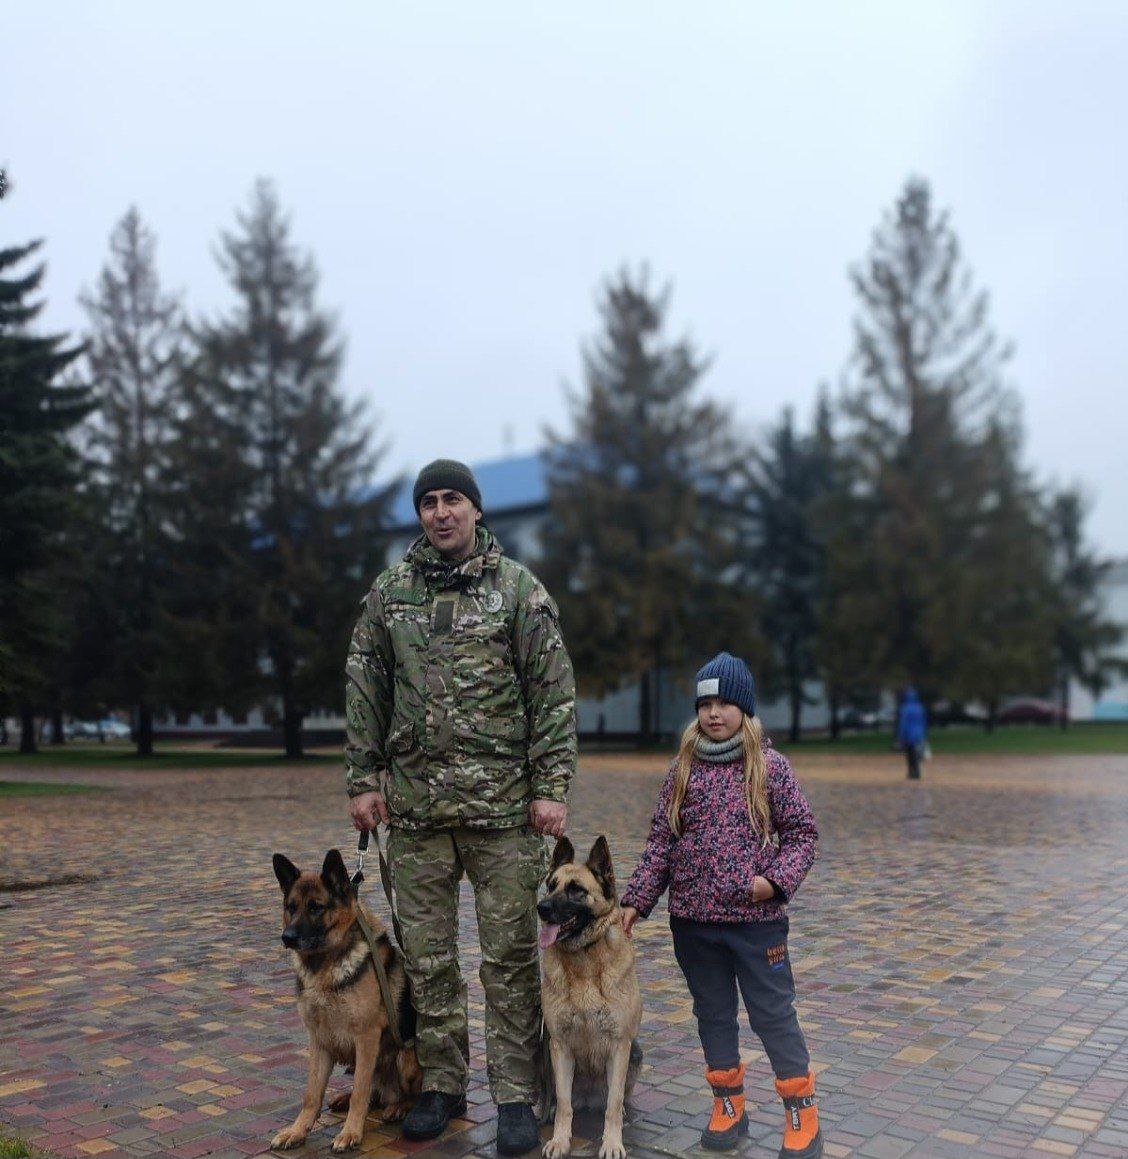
341	1004
590	995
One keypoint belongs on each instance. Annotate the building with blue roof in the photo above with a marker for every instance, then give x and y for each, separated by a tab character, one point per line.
514	501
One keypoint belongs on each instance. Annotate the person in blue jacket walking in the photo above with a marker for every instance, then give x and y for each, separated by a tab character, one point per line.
912	731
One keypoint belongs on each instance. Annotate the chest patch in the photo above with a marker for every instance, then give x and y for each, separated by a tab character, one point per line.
493	602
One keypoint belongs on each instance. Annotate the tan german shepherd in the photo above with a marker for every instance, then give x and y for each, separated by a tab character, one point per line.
590	995
340	1002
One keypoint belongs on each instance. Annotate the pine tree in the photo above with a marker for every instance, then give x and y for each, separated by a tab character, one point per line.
278	510
923	392
132	356
39	474
634	550
1087	642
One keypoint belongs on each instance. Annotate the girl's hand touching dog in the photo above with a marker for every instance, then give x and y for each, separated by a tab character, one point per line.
630	916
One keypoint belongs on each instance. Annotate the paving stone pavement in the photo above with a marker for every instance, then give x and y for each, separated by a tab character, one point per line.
960	949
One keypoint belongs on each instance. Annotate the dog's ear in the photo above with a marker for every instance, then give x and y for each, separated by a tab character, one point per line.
286	872
599	862
335	875
562	854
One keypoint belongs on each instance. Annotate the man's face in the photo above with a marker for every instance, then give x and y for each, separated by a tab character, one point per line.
449	521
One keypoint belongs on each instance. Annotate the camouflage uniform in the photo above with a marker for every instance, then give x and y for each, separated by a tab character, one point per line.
460	707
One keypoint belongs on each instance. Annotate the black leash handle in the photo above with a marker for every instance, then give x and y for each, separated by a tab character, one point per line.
361	852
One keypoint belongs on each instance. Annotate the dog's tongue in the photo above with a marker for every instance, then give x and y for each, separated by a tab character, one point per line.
548	934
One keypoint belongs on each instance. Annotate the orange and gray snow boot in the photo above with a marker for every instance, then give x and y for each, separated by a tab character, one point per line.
729	1123
802	1138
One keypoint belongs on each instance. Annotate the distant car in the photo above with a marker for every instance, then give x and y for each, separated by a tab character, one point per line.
81	730
862	718
101	730
1029	710
114	729
950	712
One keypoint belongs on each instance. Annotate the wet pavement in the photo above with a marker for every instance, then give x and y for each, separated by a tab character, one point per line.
960	951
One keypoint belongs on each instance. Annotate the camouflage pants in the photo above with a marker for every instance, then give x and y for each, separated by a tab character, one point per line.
504	866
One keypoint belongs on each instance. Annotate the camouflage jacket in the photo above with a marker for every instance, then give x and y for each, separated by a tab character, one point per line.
459	697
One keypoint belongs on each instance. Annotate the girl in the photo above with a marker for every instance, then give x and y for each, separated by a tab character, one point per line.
732	837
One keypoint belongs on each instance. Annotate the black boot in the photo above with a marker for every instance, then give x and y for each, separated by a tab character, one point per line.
516	1129
431	1113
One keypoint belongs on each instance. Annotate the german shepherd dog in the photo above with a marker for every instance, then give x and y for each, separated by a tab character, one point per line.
341	1005
590	995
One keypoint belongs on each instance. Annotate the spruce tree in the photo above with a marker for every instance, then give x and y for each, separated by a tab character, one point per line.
1088	643
277	511
923	392
39	475
636	550
782	482
132	356
1002	595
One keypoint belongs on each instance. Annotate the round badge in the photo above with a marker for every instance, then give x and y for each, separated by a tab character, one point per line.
493	602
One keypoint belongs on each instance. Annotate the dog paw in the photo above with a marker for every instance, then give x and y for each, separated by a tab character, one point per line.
612	1149
556	1148
291	1137
347	1140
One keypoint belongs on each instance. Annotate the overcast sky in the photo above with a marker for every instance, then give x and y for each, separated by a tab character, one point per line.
467	173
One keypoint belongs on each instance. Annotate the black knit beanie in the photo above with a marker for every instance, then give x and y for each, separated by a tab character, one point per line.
445	474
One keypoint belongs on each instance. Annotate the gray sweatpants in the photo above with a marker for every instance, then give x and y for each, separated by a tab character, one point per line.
718	957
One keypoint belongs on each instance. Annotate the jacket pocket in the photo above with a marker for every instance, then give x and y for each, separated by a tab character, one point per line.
401	739
408	794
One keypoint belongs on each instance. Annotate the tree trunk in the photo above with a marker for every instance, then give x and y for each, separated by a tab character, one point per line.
645	709
57	736
835	724
144	737
796	713
27	731
1063	703
992	716
292	729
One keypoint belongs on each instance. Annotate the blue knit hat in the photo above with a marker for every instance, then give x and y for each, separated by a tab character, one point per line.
729	678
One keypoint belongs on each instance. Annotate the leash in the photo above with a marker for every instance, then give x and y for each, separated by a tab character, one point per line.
370	934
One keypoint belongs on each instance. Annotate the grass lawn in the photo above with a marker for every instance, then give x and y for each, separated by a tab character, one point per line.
39	789
1018	738
165	757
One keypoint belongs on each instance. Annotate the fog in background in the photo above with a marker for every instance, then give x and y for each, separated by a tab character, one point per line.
467	173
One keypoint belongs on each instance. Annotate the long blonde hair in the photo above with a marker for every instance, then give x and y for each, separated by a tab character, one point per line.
755	776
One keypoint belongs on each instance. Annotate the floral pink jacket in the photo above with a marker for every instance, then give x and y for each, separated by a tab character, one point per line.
710	867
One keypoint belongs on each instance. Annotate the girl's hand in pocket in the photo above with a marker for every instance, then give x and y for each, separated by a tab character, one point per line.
762	889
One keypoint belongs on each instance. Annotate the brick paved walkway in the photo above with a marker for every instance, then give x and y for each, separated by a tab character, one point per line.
961	954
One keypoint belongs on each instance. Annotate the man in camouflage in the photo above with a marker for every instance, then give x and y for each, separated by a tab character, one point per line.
460	708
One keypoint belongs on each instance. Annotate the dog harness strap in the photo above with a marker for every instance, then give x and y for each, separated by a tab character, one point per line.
382	979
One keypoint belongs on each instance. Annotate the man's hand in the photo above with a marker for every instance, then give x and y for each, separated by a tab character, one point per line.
547	817
367	810
630	916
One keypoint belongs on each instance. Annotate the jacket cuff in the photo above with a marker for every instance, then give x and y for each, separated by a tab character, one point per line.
636	904
367	781
550	790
